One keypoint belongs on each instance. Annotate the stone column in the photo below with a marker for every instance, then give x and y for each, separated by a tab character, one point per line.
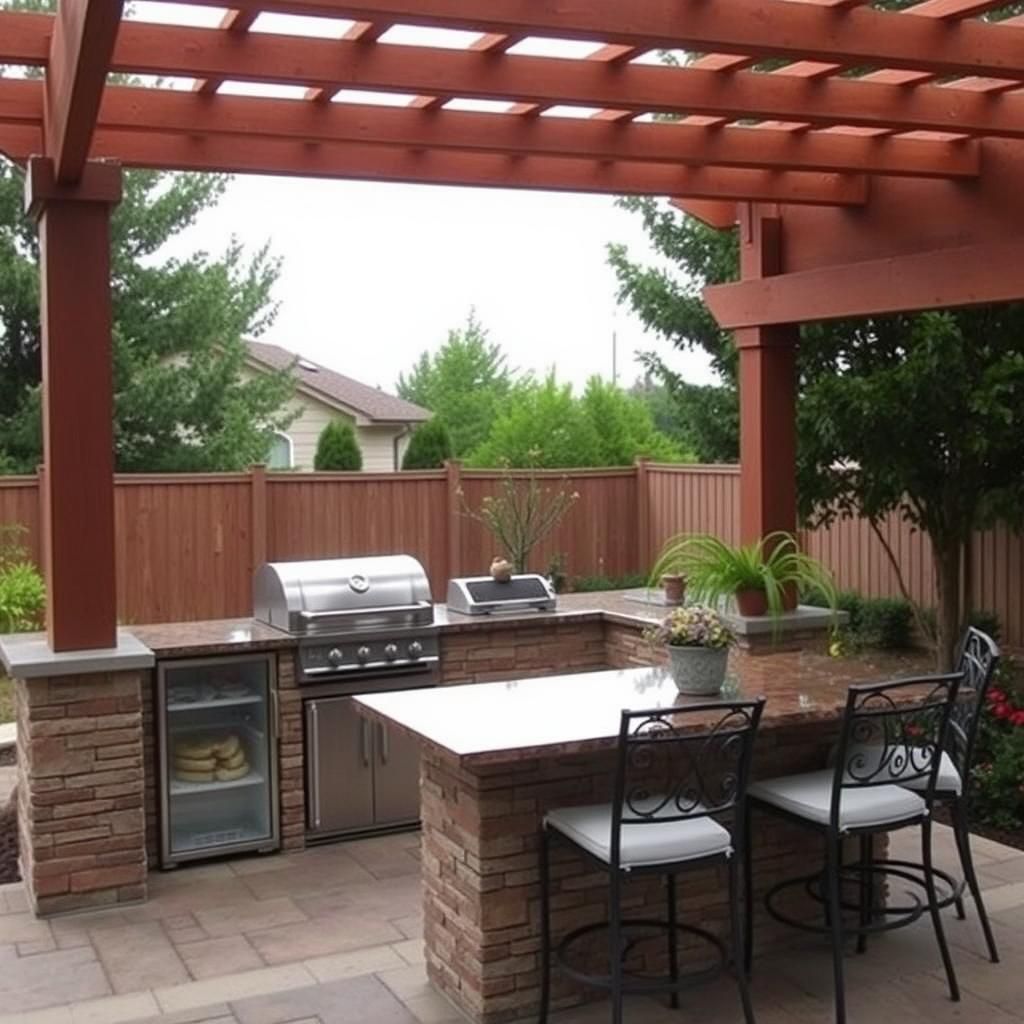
80	790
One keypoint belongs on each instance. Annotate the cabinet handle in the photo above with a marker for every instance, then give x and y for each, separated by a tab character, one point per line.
314	758
365	742
385	743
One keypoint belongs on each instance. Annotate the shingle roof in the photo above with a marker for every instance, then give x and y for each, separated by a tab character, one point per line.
336	388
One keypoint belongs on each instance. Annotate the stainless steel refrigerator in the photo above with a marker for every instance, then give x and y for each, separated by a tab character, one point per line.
218	772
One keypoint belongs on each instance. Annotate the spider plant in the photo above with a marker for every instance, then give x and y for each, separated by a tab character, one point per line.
773	565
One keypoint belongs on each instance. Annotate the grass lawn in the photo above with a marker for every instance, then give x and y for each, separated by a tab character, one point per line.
6	699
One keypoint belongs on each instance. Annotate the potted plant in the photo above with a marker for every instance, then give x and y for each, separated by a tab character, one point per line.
673	585
762	577
698	644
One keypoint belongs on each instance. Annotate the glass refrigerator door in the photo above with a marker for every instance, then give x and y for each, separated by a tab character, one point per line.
217	757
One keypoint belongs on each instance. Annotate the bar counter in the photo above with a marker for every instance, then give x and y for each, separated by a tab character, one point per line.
497	756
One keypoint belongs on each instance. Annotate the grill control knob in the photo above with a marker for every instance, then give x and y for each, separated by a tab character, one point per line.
391	651
335	657
415	649
363	654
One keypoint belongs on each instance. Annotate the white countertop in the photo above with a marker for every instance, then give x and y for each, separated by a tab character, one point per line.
480	721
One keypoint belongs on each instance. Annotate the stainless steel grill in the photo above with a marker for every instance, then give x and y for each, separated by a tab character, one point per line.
354	616
363	625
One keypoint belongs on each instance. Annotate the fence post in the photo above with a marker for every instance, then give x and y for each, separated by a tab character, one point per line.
643	516
453	470
258	508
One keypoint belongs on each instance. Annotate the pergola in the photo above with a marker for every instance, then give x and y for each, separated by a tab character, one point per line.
873	160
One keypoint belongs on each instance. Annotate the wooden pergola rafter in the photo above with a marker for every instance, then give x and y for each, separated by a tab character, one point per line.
871	158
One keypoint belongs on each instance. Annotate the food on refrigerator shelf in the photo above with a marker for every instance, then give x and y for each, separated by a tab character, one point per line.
236	760
230	691
194	764
226	746
199	748
186	776
230	774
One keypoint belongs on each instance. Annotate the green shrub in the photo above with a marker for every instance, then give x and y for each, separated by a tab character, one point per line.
848	601
986	621
22	592
337	448
593	584
429	447
998	794
885	622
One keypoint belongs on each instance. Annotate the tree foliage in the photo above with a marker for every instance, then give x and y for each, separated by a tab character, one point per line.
180	403
337	448
464	383
921	414
545	425
429	447
706	417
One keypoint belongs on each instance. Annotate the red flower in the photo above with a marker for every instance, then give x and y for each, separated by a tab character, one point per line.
1002	711
1017	717
996	696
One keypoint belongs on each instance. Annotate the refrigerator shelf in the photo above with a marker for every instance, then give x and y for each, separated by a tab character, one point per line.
179	788
204	705
186	839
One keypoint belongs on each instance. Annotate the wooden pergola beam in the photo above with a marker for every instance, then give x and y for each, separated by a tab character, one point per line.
329	65
777	28
260	155
237	22
962	276
83	39
716	214
204	53
166	111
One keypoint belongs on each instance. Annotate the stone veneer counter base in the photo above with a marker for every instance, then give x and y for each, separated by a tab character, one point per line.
498	756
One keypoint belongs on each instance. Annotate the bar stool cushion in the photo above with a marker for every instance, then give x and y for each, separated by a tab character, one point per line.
641	845
809	796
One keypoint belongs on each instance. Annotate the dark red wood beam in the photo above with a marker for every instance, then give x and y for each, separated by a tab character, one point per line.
770	28
177	112
328	64
716	214
83	39
964	276
238	23
383	163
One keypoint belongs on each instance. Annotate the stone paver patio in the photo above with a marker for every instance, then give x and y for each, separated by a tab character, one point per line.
331	935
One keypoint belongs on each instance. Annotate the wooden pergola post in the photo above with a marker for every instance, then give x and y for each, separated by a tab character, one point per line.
78	437
767	385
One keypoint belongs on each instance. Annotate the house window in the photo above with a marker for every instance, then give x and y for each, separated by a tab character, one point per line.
282	452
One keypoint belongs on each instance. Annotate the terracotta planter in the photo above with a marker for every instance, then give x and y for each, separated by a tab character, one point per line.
751	602
674	588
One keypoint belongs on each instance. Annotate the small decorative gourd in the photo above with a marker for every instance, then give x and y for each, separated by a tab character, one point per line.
501	569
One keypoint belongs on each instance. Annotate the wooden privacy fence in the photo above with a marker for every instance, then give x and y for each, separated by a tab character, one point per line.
187	544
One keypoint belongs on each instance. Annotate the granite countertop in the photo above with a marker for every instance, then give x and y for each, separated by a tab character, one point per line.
234	636
494	723
213	636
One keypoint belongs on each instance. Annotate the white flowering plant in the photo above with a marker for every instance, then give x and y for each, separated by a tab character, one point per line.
692	626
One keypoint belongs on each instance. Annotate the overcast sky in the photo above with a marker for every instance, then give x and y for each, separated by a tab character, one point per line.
373	274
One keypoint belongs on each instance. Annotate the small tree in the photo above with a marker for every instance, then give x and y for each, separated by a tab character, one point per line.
429	447
337	448
522	513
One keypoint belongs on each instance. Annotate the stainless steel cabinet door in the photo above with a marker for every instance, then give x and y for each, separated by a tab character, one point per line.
339	766
397	782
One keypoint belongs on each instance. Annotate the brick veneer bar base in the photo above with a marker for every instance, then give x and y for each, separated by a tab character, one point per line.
481	894
81	790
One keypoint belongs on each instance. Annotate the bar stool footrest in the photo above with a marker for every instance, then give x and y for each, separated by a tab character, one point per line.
901	915
633	984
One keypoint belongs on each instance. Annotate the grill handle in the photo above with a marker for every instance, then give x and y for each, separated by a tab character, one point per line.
387	609
313	732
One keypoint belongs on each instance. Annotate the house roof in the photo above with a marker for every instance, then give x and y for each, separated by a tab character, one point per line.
337	389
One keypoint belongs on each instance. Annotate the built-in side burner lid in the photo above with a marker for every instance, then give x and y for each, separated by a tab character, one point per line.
343	595
482	595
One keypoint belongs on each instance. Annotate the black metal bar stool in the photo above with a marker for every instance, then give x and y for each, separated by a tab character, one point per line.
678	802
893	735
977	663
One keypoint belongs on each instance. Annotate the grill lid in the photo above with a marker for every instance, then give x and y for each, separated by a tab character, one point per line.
343	595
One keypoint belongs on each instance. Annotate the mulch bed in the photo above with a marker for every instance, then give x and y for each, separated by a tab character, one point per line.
9	843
